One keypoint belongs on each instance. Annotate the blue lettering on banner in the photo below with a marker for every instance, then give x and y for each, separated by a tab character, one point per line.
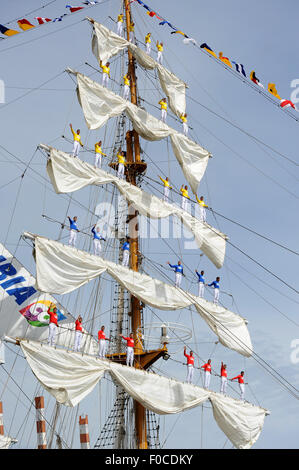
21	294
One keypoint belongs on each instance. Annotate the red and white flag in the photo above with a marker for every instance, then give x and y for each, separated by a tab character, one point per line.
287	104
42	20
73	9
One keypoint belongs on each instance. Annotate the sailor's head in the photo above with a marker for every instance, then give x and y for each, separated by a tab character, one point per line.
79	318
166	178
131	335
224	366
100	142
242	372
54	310
217	278
186	187
191	353
202	272
164	99
107	64
102	328
179	262
78	131
209	361
201	198
75	218
127	238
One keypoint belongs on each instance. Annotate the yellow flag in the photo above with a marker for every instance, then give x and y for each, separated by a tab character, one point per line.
273	91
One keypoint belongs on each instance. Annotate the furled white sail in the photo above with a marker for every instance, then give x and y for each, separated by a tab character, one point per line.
23	308
69	174
70	377
106	44
100	104
61	269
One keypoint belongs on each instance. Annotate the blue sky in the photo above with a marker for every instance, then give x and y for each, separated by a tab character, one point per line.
244	181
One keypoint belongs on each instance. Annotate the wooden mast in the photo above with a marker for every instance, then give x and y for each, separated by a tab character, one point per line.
134	166
140	412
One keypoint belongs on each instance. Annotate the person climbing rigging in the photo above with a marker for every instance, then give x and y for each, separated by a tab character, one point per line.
98	154
53	324
148	43
202	210
208	368
130	349
216	286
160	52
126	252
190	365
77	142
102	342
106	73
78	333
167	187
97	240
178	269
163	104
240	378
185	198
201	283
73	230
223	375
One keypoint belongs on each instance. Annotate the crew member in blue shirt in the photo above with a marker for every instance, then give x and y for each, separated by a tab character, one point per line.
201	283
216	286
178	269
96	240
126	252
73	231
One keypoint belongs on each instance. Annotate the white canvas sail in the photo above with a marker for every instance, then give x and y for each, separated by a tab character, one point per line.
23	308
70	377
106	44
69	174
100	104
61	269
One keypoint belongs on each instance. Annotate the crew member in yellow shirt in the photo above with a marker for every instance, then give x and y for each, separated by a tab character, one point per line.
120	24
185	125
202	211
160	52
98	154
77	141
127	79
185	197
121	163
167	187
148	43
163	104
106	73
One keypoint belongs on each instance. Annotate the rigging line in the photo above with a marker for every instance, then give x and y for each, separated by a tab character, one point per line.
30	12
53	32
255	356
229	219
31	91
6	184
248	83
266	175
30	401
258	263
243	131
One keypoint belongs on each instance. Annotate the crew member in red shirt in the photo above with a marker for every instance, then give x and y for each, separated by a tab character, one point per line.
78	333
240	378
130	349
53	325
223	373
190	365
208	368
102	340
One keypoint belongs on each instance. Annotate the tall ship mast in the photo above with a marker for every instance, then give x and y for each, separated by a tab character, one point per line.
74	282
